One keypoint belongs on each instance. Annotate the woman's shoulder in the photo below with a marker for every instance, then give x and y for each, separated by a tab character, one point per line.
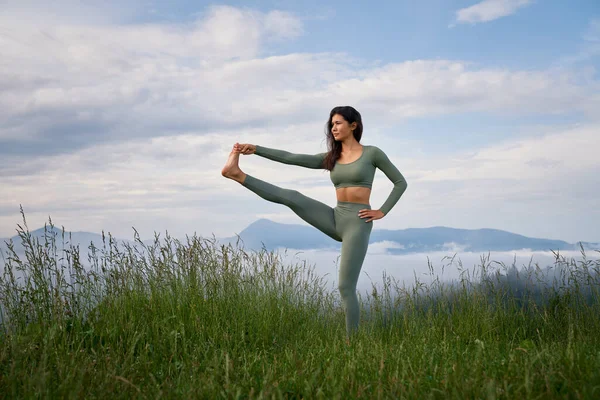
372	149
375	154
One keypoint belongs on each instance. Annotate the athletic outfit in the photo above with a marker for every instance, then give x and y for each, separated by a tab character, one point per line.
341	223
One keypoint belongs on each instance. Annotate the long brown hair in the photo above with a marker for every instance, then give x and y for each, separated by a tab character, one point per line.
335	148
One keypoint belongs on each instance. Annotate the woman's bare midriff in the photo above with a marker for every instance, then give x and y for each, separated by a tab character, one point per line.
354	194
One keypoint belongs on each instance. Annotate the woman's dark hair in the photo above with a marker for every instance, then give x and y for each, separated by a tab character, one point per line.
334	147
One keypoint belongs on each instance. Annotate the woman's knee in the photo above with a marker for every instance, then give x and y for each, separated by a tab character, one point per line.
293	197
346	289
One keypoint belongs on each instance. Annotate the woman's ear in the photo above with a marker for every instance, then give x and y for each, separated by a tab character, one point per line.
353	126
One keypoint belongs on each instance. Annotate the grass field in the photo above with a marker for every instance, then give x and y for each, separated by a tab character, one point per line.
195	319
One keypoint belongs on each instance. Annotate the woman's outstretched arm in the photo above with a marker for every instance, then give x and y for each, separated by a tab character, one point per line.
314	161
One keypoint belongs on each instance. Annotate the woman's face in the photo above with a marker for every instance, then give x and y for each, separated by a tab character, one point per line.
340	128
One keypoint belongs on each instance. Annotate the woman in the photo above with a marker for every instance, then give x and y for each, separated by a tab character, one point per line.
352	168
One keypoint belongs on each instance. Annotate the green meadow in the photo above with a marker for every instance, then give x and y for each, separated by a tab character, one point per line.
197	319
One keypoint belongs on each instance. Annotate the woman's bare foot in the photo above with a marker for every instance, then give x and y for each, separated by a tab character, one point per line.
232	169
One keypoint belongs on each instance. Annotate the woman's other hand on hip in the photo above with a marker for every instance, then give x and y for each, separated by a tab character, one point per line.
370	214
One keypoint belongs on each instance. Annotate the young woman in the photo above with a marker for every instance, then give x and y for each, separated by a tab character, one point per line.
352	168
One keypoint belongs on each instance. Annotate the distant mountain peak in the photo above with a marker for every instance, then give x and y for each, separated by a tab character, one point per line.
271	234
264	221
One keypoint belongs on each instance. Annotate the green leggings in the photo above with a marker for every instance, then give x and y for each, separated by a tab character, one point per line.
341	223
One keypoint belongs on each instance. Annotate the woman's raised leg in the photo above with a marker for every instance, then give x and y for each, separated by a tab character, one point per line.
317	214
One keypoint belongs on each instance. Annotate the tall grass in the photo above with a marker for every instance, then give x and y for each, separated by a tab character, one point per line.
195	318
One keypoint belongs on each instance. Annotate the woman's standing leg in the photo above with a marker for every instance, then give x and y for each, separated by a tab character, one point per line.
355	241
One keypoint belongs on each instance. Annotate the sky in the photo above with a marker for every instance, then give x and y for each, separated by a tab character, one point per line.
120	115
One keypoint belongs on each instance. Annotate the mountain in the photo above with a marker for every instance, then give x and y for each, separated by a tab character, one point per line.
477	240
83	239
413	240
274	235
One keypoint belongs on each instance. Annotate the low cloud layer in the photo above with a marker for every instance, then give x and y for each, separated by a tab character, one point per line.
448	266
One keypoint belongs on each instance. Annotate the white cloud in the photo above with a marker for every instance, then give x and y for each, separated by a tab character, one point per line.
283	25
136	75
384	247
543	186
174	182
417	88
527	158
138	79
107	51
489	10
142	97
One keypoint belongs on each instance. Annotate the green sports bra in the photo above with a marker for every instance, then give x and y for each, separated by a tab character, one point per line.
357	173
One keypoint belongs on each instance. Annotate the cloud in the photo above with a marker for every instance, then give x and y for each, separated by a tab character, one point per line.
418	88
384	247
528	158
541	182
174	181
131	80
78	85
153	94
542	186
68	85
282	25
489	10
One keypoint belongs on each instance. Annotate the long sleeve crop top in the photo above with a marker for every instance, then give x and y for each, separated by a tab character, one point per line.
357	173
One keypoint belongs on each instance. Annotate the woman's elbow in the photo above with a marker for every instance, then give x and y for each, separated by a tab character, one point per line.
401	186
